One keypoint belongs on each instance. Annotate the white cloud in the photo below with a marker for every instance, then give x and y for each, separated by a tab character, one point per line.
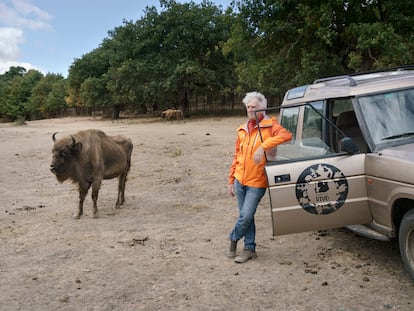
10	38
21	13
15	16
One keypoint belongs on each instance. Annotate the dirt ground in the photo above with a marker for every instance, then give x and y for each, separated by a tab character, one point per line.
165	248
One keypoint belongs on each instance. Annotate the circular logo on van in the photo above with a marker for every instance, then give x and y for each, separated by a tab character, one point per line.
321	189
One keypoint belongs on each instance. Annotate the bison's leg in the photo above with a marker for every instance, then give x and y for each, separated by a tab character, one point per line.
83	191
121	190
120	199
95	191
122	182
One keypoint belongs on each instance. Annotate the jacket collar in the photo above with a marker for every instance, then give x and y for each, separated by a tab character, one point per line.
266	122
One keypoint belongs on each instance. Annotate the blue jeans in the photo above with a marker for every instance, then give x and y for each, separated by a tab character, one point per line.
248	199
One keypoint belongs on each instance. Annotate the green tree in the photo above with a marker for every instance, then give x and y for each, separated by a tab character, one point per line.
158	60
122	86
55	104
17	93
192	37
285	43
14	71
6	79
91	65
93	93
48	97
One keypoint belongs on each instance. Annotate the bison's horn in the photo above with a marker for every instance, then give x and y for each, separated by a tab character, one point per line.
54	136
73	140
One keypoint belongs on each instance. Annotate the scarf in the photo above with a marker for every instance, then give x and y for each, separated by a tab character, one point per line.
252	123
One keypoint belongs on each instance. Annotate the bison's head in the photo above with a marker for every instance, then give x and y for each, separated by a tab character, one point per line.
165	113
64	150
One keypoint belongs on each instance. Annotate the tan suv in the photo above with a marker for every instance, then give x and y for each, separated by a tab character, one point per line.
351	160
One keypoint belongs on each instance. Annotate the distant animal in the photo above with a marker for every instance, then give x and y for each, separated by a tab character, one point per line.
88	157
172	114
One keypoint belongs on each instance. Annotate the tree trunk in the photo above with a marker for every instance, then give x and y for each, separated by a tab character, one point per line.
183	102
117	111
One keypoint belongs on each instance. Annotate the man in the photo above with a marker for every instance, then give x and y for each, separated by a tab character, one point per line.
247	178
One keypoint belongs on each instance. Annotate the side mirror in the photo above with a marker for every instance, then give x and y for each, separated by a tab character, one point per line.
347	145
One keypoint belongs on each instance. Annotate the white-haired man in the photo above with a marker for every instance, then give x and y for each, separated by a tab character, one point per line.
247	179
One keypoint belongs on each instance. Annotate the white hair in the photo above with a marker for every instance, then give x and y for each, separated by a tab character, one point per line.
255	95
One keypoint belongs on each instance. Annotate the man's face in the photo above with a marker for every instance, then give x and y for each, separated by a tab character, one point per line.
251	107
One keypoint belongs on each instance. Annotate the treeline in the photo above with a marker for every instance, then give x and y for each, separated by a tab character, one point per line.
202	57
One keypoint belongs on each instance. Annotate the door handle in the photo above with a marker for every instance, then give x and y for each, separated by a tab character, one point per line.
282	178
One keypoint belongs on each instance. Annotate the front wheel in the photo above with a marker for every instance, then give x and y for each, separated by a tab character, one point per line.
406	242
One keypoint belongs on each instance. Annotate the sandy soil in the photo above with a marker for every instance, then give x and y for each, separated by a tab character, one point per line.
165	249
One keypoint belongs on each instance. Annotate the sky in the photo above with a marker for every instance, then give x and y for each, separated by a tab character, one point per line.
48	35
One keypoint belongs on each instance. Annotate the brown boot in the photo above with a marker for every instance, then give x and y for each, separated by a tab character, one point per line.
246	255
231	253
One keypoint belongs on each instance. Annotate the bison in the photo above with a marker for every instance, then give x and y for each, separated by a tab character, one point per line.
172	114
88	157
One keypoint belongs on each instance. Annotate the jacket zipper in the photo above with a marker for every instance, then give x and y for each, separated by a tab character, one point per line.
249	150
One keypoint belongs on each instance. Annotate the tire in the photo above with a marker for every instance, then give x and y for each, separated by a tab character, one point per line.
406	242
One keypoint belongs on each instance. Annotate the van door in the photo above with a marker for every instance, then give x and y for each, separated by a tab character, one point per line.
312	185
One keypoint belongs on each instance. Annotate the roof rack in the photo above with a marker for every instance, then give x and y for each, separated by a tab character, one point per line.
396	68
352	81
406	67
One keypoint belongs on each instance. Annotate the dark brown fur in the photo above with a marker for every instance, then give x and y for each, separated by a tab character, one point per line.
88	157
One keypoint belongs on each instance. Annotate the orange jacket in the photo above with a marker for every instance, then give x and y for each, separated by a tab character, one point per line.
243	167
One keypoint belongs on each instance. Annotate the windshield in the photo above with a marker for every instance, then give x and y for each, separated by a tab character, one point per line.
389	117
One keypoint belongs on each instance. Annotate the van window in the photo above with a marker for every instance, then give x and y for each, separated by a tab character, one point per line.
390	117
312	125
341	105
289	119
307	132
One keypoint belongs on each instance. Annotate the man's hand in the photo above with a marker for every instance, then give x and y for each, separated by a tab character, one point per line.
230	188
258	155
